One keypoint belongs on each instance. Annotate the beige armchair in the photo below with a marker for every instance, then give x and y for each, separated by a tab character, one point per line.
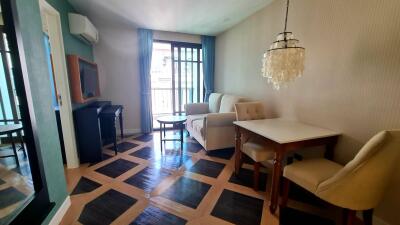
253	147
357	186
211	124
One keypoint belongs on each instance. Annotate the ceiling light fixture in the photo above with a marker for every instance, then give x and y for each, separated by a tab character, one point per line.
284	60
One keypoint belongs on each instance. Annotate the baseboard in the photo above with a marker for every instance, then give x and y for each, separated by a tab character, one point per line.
61	212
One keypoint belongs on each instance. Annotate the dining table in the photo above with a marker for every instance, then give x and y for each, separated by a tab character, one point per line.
283	136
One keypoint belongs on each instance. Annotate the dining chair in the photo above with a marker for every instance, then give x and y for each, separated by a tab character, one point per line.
357	186
252	146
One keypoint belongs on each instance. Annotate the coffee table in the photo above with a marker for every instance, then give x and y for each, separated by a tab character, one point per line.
176	121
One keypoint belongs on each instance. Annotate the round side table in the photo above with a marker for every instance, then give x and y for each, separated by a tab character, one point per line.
177	121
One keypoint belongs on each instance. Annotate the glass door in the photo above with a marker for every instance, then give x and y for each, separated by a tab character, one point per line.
187	79
161	81
176	77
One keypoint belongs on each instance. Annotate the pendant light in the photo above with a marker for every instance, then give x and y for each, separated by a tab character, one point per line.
284	60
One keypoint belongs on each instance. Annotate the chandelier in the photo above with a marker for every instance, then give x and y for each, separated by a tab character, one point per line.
284	60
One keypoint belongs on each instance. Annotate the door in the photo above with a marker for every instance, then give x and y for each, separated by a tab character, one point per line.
176	77
187	79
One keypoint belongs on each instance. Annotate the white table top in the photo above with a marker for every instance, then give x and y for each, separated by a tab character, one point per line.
285	131
171	119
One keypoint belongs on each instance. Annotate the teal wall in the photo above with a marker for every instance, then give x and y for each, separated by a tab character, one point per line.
72	44
49	146
28	13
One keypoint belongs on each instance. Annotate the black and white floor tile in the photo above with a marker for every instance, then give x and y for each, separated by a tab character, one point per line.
16	184
146	186
85	185
124	146
106	208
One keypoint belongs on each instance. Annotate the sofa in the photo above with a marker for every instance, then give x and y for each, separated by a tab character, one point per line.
211	124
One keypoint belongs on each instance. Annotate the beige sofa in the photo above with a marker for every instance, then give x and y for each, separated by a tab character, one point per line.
211	124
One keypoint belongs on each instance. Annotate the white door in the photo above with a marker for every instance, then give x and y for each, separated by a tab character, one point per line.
52	27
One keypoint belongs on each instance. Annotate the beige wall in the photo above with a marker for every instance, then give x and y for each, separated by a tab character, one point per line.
352	79
117	57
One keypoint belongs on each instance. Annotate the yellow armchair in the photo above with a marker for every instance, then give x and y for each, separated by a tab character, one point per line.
357	186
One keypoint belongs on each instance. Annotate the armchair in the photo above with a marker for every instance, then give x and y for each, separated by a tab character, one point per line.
359	185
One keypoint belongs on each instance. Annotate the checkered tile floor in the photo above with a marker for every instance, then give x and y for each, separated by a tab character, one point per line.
144	185
16	185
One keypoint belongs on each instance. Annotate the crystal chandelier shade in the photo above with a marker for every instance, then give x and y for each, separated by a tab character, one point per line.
284	60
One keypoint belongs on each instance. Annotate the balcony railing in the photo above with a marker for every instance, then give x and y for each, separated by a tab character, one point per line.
162	102
162	105
161	99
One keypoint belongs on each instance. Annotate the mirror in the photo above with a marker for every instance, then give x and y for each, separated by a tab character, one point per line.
16	183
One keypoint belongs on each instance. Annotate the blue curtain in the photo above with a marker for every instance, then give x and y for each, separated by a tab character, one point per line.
145	50
208	45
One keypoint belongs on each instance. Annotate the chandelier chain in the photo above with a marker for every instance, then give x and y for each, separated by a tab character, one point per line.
283	62
287	12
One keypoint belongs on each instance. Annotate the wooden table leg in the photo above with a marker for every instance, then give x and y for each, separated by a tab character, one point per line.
22	143
237	149
367	216
330	148
277	172
14	149
181	129
115	137
161	136
349	216
121	125
285	193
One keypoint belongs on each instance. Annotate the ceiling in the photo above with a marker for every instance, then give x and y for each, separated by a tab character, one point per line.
208	17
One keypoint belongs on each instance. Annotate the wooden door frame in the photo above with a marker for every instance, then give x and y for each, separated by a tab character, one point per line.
52	26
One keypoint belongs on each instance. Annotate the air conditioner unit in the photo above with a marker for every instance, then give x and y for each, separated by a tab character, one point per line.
82	27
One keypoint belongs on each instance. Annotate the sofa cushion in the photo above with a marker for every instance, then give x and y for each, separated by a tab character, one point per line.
228	103
198	126
214	102
191	118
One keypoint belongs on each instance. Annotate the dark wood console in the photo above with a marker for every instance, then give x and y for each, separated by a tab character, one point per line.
95	126
108	120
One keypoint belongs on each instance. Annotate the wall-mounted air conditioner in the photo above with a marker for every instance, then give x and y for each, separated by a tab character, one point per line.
82	27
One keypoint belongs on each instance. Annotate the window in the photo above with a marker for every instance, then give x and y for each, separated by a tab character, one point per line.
188	75
9	110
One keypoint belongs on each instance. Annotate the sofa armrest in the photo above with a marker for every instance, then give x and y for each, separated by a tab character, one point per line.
196	108
220	119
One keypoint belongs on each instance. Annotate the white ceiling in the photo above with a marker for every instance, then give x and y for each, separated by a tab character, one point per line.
209	17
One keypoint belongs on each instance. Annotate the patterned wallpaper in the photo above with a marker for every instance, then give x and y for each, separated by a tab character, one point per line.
352	78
